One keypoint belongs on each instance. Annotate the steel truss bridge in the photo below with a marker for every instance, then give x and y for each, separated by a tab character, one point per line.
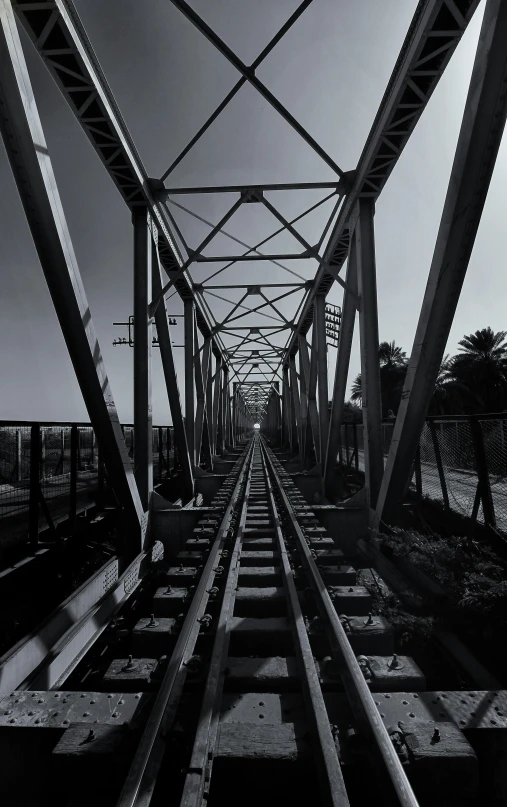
276	374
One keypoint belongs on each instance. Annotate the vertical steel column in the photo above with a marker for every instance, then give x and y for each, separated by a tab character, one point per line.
171	382
226	410
205	368
143	438
279	417
278	441
201	369
189	316
478	143
342	368
220	446
216	406
319	327
230	417
209	407
309	369
286	410
234	414
303	386
296	412
370	368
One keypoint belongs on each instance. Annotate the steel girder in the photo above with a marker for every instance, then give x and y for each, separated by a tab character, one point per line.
143	440
171	380
478	143
435	31
33	172
424	55
341	372
370	369
56	32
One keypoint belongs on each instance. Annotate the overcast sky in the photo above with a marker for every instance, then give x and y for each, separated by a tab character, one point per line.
330	71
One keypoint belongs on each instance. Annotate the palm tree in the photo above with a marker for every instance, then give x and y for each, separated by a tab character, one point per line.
450	393
473	381
356	393
481	368
391	356
393	366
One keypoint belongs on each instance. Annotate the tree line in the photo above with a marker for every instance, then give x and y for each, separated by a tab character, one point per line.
474	381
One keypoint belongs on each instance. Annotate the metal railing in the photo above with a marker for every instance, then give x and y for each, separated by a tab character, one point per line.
461	461
51	472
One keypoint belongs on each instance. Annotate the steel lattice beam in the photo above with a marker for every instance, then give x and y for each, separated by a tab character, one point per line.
56	31
424	55
31	165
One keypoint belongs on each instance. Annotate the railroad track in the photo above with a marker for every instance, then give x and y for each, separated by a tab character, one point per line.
247	668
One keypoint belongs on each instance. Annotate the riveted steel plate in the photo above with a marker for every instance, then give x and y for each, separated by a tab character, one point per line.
468	709
59	709
262	707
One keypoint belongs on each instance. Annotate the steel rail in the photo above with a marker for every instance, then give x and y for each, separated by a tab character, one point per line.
141	778
356	688
205	741
328	765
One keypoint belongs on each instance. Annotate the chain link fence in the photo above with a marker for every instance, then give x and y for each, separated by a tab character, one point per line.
50	473
461	461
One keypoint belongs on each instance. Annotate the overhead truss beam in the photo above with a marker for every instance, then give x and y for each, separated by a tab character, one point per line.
68	55
424	55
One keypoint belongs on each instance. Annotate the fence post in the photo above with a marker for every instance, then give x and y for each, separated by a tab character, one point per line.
42	454
61	461
160	452
503	468
440	467
19	472
100	480
74	459
481	462
356	455
347	444
418	473
34	485
475	509
78	463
